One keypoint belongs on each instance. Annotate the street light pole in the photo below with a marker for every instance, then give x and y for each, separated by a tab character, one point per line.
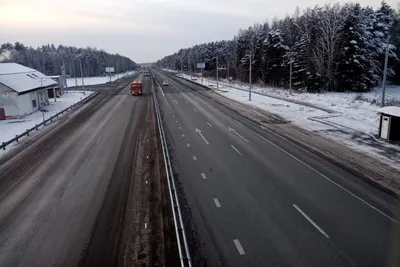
83	84
290	75
217	73
250	79
384	73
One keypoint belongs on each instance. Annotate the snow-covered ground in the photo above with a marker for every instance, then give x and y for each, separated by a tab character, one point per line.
350	118
10	128
96	80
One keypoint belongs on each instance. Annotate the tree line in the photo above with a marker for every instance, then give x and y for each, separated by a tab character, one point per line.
330	48
49	60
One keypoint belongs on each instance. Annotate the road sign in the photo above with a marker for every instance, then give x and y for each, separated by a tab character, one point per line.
230	78
110	69
201	65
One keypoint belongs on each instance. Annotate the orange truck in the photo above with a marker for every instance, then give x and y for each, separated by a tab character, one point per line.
136	88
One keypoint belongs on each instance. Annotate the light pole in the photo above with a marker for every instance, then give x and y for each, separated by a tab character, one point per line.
217	73
83	84
384	73
290	74
250	79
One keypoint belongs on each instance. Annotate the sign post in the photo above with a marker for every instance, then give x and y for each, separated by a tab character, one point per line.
109	70
201	66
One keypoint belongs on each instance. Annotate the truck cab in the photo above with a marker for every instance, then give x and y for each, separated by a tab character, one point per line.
136	88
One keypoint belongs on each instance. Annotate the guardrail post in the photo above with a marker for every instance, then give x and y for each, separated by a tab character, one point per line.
4	146
16	138
36	127
27	132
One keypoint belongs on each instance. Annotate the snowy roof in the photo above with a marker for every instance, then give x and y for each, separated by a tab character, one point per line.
391	110
21	79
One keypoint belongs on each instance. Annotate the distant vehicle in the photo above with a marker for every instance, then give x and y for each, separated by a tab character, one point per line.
165	83
136	88
146	73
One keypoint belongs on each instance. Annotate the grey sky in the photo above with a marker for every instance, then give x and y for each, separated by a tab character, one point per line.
144	30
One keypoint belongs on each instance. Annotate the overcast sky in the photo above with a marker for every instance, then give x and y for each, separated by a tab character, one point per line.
144	30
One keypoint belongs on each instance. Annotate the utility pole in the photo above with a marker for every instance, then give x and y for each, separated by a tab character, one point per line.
384	73
250	79
217	73
181	67
83	84
290	75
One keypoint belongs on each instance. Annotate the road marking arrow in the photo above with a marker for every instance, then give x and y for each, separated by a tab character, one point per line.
233	130
200	133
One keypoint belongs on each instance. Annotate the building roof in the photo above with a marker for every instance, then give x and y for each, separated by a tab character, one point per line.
390	110
22	79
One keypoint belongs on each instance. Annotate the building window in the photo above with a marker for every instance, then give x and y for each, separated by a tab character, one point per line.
34	104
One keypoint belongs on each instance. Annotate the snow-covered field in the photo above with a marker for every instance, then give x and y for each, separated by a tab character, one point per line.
350	118
10	128
96	80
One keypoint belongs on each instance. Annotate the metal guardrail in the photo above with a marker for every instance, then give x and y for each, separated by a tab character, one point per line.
183	248
3	145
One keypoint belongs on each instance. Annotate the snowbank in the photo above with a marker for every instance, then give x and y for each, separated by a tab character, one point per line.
351	118
96	80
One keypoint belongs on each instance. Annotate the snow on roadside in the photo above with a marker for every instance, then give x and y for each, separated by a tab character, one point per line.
10	128
96	80
350	118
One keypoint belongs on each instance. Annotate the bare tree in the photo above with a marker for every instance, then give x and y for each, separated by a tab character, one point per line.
326	49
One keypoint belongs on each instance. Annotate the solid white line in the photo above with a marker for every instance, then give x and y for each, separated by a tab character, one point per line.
183	135
209	124
98	140
234	148
194	158
239	123
311	221
216	201
239	247
176	102
324	176
187	144
194	110
203	175
162	91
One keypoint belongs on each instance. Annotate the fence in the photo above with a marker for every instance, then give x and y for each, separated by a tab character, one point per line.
36	127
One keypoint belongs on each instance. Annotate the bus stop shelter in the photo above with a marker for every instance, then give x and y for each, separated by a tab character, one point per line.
389	126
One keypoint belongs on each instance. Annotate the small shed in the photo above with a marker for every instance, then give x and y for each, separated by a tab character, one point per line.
22	90
389	126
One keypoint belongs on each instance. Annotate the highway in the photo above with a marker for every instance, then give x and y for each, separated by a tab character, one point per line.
69	197
256	199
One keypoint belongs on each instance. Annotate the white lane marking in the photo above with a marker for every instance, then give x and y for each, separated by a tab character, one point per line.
145	225
200	133
119	108
209	124
74	178
262	127
186	102
176	121
216	201
194	110
179	127
112	119
98	140
183	135
203	175
233	130
176	101
311	221
173	116
180	95
146	181
322	175
234	148
194	158
239	247
238	122
187	144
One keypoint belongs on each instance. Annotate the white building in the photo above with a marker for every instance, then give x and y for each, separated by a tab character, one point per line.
22	90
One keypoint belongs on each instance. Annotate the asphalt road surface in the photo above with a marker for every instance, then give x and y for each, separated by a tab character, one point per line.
256	199
63	198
